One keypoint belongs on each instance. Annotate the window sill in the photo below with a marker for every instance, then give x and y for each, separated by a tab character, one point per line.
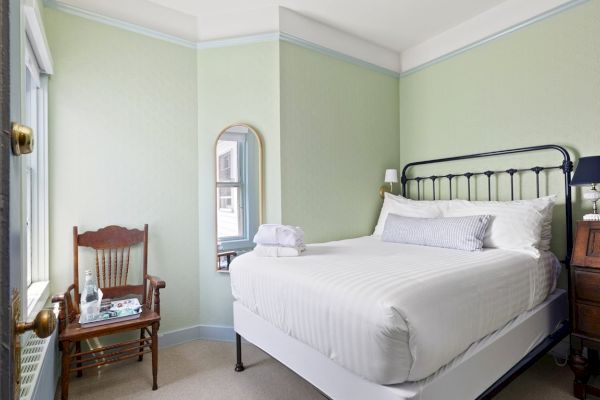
37	295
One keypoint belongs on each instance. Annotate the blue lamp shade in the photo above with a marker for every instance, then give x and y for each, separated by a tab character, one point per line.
587	171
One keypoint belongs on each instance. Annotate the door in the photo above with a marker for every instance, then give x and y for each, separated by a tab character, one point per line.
7	277
14	139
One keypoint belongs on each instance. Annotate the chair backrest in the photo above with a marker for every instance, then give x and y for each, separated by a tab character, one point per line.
112	245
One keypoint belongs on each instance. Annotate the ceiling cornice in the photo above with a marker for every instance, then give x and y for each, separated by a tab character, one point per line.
499	21
118	23
296	28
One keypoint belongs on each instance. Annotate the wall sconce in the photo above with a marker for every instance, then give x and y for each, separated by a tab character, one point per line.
588	173
391	177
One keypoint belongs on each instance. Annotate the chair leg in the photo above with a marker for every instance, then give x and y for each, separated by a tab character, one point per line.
142	336
78	350
64	378
239	365
154	356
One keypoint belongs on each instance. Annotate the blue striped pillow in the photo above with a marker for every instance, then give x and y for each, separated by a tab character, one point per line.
461	233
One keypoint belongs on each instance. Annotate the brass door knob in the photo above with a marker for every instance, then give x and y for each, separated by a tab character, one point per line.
43	325
21	138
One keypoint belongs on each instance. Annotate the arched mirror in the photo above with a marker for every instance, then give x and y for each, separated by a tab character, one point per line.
238	165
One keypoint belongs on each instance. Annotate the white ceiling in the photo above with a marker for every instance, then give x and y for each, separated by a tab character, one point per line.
395	34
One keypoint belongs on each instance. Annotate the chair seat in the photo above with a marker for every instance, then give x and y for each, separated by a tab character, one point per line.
74	332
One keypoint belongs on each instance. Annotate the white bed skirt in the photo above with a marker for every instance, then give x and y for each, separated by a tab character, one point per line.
466	377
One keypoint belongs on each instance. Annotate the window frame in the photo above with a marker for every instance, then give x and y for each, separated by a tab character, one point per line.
34	182
239	241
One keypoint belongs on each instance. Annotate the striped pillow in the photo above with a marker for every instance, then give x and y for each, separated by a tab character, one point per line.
460	233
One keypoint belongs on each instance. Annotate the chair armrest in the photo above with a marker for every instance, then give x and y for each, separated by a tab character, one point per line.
65	297
67	307
153	295
156	282
57	298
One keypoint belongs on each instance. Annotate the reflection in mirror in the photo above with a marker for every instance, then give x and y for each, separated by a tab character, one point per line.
238	157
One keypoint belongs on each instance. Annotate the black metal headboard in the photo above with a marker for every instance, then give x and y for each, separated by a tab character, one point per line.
566	167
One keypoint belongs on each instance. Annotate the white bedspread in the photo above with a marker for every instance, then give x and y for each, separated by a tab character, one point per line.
391	312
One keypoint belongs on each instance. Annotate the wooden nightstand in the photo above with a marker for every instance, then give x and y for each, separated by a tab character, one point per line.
585	306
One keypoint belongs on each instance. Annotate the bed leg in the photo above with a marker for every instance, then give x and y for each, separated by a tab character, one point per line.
239	365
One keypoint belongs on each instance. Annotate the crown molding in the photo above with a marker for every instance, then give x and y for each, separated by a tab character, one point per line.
298	29
117	23
308	32
336	54
495	23
291	27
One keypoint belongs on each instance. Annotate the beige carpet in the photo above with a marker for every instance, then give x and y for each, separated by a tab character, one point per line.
204	370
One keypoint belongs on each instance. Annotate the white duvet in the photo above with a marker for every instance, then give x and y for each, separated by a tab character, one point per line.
391	312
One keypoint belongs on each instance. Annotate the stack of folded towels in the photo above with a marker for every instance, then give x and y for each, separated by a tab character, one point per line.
274	240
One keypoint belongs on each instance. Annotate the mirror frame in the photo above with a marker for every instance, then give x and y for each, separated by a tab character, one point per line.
261	205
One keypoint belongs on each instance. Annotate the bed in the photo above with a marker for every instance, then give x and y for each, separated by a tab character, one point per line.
362	318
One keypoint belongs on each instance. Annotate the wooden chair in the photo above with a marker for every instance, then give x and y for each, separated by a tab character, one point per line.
112	246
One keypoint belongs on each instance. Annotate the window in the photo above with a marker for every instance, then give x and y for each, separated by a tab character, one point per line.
34	183
231	149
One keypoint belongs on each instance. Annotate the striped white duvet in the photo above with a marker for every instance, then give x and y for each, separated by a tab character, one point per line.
391	312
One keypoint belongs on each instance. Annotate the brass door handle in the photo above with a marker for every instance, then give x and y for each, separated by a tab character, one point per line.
43	325
21	138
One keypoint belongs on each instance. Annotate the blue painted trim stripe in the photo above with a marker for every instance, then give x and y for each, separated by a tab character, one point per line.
197	332
481	42
238	41
117	23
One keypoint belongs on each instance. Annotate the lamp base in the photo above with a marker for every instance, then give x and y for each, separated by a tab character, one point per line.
383	190
591	217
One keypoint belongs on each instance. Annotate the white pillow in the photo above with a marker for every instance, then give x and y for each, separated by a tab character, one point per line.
544	205
513	225
403	209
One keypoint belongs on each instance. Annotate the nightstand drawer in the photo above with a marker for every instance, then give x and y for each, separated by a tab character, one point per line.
587	319
587	285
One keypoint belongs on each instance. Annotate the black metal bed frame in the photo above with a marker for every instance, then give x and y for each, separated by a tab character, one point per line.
566	167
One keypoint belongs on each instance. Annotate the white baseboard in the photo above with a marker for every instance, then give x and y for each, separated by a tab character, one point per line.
197	332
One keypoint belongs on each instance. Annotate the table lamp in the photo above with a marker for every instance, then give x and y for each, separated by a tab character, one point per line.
588	173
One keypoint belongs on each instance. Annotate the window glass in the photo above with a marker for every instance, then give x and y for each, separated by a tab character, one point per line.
228	161
29	177
229	215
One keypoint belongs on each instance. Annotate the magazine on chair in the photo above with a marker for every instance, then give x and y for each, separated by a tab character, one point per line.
114	311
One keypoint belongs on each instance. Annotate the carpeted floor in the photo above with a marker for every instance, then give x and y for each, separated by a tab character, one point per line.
204	370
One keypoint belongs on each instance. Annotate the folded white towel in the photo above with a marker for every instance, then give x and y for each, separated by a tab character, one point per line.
279	235
277	251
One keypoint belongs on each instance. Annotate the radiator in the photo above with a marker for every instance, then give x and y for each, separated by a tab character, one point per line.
39	372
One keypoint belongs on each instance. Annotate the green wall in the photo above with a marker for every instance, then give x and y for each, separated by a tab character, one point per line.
133	125
237	84
134	120
123	150
339	132
538	85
